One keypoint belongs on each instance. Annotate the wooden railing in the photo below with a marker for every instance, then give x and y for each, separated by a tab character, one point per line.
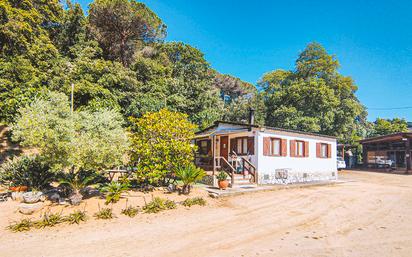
223	164
250	168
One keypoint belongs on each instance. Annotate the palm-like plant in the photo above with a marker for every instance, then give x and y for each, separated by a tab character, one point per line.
77	181
189	175
114	190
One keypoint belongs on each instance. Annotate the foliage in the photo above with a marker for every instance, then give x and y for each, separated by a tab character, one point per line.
189	175
388	126
158	204
20	226
120	25
314	97
26	171
49	220
194	201
76	217
114	191
161	144
104	214
130	211
82	140
78	180
221	176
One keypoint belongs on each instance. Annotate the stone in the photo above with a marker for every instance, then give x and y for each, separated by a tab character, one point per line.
17	196
33	197
90	192
75	199
55	197
27	208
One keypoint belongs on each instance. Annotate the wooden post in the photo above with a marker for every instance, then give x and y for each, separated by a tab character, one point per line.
408	157
213	154
365	155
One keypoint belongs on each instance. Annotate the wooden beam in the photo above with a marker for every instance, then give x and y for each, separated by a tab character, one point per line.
408	157
213	153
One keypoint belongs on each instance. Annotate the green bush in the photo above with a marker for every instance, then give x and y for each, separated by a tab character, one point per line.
114	190
189	175
221	176
194	201
158	204
26	171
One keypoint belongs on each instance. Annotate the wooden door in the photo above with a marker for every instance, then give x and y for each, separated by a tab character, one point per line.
224	147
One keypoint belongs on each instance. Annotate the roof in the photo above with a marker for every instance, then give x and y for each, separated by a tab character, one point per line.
389	137
249	126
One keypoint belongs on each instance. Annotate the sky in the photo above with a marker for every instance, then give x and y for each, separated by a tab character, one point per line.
371	39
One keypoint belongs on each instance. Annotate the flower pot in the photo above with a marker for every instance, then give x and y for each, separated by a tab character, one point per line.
223	184
19	188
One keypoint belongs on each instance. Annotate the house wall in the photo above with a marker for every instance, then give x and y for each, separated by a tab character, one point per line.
287	169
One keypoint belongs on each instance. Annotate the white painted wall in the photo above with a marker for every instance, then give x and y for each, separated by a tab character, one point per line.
299	169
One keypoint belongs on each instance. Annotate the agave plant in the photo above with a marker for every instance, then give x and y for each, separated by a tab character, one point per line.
114	190
78	181
189	175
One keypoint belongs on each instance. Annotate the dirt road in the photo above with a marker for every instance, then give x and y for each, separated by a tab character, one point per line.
370	215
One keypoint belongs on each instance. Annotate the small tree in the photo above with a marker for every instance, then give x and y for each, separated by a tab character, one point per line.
161	144
83	140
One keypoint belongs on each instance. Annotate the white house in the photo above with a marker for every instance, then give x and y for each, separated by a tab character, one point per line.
264	155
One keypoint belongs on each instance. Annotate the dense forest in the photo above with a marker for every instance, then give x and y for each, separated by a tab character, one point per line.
117	58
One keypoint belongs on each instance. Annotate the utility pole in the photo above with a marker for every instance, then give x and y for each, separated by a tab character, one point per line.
72	96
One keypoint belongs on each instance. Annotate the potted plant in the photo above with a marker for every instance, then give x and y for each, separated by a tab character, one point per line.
222	180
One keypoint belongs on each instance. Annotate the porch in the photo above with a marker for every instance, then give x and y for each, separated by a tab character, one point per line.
229	151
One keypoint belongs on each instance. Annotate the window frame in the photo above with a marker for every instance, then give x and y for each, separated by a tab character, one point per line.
297	153
243	145
271	147
321	150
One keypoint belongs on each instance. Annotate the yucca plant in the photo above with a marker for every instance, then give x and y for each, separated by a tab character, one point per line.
194	201
20	226
104	214
76	217
114	191
77	181
189	175
49	220
159	204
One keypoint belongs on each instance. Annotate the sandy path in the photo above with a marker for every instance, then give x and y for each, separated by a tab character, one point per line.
367	216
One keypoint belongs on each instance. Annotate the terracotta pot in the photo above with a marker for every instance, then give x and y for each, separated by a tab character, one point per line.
19	188
223	184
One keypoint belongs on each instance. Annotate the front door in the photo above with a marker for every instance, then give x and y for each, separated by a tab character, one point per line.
224	147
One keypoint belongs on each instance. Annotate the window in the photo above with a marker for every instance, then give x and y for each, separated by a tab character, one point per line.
324	150
203	147
300	149
242	145
275	147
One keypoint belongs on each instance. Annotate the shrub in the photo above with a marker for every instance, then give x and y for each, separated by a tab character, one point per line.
77	181
159	204
104	214
161	142
189	175
20	226
76	217
130	211
114	190
194	201
26	171
49	220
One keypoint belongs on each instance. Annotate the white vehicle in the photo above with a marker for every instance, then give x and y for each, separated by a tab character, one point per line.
340	163
383	162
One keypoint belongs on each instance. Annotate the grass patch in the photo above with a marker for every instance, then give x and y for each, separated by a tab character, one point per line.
49	220
104	214
76	217
194	201
159	204
130	211
20	226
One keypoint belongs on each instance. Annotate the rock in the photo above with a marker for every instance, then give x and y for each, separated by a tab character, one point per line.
213	195
17	196
33	197
26	208
55	197
90	192
75	199
171	188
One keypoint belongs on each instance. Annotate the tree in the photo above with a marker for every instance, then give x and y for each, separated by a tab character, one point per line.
83	140
388	126
314	97
120	25
161	144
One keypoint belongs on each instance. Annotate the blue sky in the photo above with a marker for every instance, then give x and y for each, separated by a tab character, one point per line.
371	39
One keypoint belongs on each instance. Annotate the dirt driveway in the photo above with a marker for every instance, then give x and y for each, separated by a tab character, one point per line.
370	215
